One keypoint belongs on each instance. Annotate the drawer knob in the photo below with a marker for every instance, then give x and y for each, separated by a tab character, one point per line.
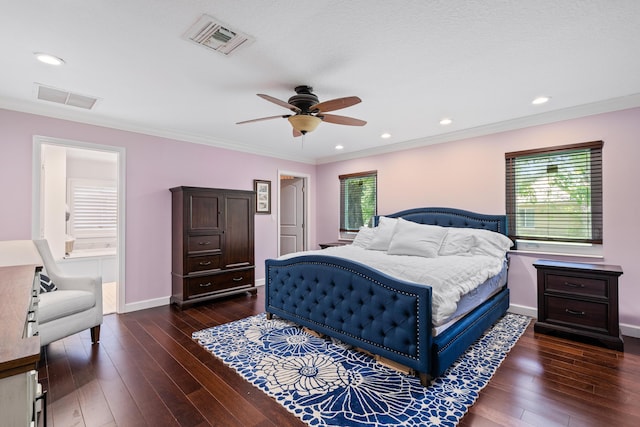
238	279
205	285
204	243
574	285
574	312
205	263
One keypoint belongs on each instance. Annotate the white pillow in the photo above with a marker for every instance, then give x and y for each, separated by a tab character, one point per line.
491	243
456	243
364	237
383	233
410	238
484	242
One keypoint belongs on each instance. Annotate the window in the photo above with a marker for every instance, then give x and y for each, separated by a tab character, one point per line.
555	194
93	209
358	201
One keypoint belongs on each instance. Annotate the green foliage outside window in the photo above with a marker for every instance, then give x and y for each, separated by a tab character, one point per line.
358	204
556	195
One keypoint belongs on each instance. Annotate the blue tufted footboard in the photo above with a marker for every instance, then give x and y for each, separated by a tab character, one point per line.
355	304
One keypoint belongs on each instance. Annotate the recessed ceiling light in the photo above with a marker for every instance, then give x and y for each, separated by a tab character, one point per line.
541	100
339	147
48	59
385	135
445	122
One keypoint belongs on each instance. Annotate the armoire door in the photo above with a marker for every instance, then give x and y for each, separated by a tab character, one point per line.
238	235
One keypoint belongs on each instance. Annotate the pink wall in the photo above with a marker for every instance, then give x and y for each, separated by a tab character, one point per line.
469	174
153	165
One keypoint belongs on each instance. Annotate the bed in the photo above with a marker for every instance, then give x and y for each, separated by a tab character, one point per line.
386	315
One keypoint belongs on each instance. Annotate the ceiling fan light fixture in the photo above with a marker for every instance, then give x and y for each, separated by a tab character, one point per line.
304	123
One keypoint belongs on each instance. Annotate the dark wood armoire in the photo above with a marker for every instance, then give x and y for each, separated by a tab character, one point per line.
212	244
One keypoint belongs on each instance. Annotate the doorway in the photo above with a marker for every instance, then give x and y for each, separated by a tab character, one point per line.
293	212
85	182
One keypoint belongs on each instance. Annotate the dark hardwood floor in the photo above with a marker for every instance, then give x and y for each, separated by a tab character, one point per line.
147	370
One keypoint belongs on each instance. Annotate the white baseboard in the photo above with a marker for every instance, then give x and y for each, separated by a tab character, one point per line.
630	330
150	303
524	310
625	329
158	302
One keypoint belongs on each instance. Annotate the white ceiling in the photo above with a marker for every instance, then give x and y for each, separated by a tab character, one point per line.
412	62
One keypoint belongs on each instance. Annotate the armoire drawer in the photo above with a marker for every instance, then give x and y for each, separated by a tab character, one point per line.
211	242
203	263
219	282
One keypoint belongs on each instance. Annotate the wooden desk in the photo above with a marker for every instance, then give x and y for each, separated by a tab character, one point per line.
18	252
19	348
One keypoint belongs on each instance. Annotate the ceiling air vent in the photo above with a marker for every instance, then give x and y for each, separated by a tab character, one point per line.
47	93
213	34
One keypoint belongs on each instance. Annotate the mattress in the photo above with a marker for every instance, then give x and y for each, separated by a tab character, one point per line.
450	277
473	299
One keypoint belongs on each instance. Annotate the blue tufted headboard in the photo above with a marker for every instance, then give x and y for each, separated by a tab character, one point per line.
450	217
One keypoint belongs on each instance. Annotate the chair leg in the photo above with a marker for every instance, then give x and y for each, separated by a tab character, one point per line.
95	334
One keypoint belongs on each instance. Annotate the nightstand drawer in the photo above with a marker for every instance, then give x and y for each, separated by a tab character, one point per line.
576	285
576	313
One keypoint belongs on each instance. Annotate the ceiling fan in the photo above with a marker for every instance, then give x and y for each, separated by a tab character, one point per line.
309	112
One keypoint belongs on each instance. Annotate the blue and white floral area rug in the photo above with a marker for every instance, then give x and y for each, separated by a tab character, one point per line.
326	383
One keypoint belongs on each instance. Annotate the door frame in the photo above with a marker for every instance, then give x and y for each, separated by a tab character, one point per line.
38	142
306	178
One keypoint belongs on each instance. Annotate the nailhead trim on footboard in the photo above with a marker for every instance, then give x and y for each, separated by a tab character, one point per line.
360	307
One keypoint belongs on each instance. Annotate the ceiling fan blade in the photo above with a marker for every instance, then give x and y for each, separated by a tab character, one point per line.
341	120
336	104
279	102
263	118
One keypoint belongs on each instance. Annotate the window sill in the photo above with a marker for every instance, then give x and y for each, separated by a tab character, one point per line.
564	249
560	254
91	253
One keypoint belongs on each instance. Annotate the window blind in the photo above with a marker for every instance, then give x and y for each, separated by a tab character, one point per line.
358	200
555	194
94	210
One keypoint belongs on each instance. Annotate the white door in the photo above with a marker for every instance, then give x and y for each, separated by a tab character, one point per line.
291	214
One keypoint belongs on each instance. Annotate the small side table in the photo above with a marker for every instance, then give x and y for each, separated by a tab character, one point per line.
332	244
579	299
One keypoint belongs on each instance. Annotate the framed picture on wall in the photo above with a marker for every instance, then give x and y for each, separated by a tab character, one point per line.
263	196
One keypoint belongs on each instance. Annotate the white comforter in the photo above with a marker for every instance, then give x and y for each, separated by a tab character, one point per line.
450	277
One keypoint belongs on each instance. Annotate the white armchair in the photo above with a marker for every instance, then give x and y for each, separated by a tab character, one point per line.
74	307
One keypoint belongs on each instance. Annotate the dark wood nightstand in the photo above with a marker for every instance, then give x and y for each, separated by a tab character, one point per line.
332	244
580	300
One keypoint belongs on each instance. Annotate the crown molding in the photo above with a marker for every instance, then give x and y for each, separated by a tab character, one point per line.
610	105
607	106
87	118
